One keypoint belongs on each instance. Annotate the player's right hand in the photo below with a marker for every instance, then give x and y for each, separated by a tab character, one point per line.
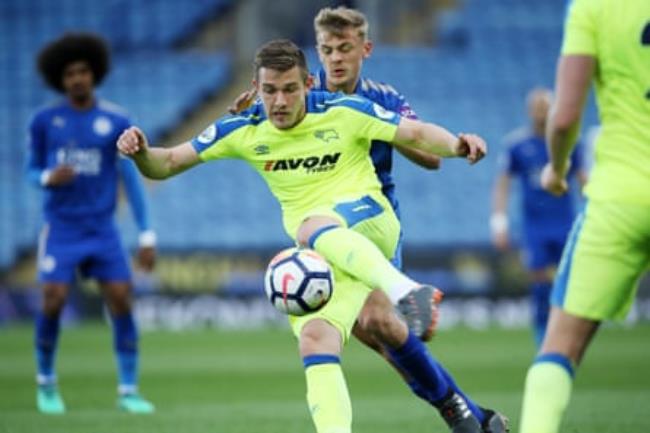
61	175
471	147
501	241
147	258
243	101
553	182
132	141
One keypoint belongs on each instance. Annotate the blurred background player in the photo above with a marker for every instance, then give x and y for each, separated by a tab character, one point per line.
343	45
355	235
74	159
609	246
546	219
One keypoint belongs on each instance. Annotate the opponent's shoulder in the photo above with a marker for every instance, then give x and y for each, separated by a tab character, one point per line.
112	109
46	112
382	93
515	138
340	102
252	116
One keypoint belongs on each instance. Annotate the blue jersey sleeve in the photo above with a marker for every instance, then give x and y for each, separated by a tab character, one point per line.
507	162
37	159
134	192
578	158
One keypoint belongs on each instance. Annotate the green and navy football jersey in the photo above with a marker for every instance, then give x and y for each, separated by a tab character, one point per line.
323	160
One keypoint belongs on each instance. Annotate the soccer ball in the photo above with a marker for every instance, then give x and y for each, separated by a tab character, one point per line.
298	281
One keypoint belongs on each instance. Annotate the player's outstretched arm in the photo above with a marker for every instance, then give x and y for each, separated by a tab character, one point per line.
423	159
156	163
436	140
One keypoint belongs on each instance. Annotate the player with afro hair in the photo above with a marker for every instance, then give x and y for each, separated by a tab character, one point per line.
71	47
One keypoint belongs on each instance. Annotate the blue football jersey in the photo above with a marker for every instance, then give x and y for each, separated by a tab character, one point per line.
380	151
85	140
542	213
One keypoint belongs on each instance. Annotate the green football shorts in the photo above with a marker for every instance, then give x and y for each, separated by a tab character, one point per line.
607	252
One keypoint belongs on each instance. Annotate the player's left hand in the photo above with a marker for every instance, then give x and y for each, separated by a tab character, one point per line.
147	258
471	146
243	101
553	182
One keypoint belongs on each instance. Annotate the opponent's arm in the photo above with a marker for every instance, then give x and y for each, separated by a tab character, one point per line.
499	217
243	101
137	200
37	172
156	163
436	140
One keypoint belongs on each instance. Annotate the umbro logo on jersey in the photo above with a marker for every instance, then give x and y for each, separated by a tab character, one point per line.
326	135
311	164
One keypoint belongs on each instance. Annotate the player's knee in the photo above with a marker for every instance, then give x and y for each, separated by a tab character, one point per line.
303	237
379	325
54	297
319	337
366	337
118	298
309	229
383	325
119	305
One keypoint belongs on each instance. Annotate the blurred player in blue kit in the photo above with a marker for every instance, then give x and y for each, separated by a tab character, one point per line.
343	45
74	160
546	219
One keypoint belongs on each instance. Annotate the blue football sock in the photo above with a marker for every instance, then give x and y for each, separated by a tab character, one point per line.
540	304
125	344
413	359
46	337
429	380
473	407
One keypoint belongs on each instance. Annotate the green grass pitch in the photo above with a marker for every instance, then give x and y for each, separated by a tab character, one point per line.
252	381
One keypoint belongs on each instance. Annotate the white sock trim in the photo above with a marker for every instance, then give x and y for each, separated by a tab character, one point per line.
123	389
42	379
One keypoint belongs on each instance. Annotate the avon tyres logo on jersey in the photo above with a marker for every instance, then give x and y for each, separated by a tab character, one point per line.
311	164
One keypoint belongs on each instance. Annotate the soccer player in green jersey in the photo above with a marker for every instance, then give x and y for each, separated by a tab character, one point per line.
312	149
606	41
343	45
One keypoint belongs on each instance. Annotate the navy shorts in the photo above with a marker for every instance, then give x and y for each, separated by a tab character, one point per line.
543	252
94	252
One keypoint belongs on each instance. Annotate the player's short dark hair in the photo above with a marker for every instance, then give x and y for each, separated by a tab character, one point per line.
337	20
280	55
73	47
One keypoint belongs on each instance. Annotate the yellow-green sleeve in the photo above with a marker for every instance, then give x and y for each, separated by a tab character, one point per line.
580	28
381	125
218	141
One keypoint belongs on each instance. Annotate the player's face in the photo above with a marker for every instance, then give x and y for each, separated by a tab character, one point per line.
283	95
78	80
538	111
342	56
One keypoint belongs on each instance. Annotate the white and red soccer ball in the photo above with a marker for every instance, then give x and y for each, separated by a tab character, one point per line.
298	281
